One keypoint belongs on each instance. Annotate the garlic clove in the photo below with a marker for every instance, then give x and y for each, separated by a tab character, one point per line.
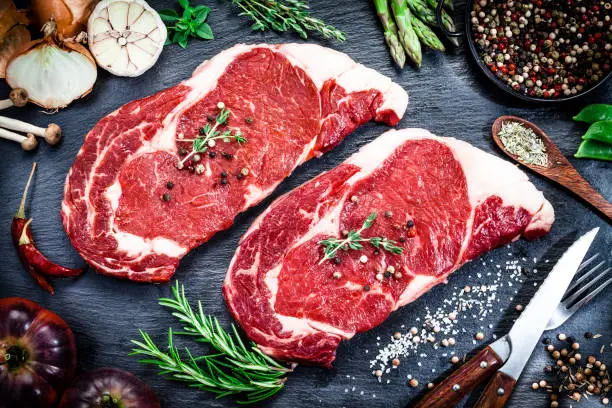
125	36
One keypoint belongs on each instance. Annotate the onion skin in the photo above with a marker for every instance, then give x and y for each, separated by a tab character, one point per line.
89	390
50	361
70	15
13	32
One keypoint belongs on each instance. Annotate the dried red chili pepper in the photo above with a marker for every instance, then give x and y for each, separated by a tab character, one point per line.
32	259
38	261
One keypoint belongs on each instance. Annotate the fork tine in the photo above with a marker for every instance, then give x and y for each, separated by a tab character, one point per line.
583	289
587	263
588	297
584	277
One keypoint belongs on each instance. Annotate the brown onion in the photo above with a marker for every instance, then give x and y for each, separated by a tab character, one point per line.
53	76
71	15
13	32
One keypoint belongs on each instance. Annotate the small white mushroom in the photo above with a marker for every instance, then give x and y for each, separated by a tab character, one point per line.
17	97
28	142
52	134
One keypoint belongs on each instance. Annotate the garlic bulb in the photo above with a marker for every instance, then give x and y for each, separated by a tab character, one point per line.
53	76
125	36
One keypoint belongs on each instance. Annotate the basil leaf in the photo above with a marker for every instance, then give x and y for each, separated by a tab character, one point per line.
184	3
180	37
201	13
168	15
199	19
204	31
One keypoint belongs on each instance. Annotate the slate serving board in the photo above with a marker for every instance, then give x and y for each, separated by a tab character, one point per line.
447	96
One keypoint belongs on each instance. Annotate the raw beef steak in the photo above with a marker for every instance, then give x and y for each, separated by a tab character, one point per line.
440	199
291	102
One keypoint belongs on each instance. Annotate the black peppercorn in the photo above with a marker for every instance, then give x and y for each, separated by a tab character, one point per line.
337	260
169	185
387	274
239	176
202	131
166	197
588	335
410	224
182	151
366	288
546	340
224	181
212	155
223	174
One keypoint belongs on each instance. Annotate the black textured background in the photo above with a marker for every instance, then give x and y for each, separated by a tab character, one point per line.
447	96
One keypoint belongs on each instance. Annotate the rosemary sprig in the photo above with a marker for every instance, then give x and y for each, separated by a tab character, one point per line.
286	15
353	241
200	143
234	369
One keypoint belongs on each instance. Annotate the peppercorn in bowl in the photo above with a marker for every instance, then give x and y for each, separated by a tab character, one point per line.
542	50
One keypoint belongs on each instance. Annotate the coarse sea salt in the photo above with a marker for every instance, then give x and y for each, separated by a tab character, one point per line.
479	302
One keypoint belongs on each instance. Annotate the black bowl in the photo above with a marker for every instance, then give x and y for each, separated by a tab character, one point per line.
501	85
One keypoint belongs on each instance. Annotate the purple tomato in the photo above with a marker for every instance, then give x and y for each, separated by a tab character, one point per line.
37	355
109	388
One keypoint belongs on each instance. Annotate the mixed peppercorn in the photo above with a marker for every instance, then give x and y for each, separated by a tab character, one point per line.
544	48
577	376
192	150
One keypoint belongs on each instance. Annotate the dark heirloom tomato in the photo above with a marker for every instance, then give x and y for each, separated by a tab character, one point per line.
109	388
37	355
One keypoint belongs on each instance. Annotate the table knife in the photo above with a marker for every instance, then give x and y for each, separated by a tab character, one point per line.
505	358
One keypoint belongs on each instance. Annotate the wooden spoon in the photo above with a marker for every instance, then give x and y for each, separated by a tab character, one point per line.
559	169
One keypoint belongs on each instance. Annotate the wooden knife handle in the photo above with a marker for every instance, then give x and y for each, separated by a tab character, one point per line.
497	392
456	386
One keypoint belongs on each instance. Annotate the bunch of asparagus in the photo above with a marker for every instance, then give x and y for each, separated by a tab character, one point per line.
407	24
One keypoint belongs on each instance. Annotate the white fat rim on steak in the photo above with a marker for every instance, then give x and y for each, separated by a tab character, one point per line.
320	63
486	175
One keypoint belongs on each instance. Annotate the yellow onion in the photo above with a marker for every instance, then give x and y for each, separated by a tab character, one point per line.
52	75
70	15
13	32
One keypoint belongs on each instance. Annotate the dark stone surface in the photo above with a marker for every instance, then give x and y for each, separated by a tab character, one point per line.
447	96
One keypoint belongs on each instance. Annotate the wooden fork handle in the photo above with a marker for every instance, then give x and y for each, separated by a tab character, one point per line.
497	392
457	385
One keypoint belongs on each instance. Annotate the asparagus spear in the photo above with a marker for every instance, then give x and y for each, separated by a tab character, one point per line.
407	36
397	52
426	34
428	15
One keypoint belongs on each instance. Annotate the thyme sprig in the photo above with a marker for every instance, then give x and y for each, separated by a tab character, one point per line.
354	239
286	15
234	369
200	144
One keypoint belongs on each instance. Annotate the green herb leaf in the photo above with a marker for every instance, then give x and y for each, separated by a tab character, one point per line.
368	222
168	15
233	369
354	239
191	23
284	16
205	32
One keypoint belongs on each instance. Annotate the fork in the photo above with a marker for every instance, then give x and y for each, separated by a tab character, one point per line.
575	299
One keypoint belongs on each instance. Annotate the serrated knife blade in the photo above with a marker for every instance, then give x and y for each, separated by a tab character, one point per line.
528	328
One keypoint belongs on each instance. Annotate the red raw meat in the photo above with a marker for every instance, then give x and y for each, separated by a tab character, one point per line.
448	203
303	100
